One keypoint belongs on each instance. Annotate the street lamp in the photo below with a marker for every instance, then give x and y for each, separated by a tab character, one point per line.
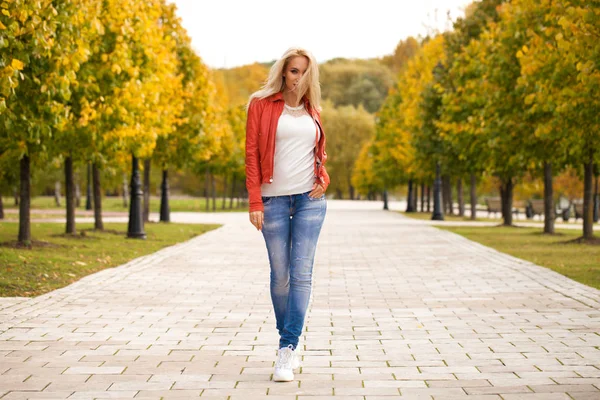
135	229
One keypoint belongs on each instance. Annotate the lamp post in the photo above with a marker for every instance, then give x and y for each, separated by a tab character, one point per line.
438	215
135	229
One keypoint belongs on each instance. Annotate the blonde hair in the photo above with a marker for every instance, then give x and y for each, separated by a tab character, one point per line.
308	84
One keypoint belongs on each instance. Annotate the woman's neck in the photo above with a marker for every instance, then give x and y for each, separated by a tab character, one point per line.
290	98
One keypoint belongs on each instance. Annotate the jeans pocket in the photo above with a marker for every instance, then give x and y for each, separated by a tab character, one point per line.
267	200
317	198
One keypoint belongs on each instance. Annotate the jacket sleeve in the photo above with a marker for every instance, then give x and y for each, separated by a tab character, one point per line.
325	182
323	176
253	172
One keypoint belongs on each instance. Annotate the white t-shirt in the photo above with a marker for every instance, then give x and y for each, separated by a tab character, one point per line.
293	166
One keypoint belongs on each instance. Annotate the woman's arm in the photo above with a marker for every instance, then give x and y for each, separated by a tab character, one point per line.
253	172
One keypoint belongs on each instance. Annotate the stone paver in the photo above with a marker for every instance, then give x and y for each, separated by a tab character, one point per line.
399	308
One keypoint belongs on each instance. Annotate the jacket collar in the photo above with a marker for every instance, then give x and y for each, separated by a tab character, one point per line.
279	97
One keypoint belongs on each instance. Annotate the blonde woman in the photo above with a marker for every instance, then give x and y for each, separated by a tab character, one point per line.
286	182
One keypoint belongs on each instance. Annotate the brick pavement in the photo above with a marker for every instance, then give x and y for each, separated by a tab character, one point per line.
398	309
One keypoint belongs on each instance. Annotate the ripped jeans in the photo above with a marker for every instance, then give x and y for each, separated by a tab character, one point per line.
291	229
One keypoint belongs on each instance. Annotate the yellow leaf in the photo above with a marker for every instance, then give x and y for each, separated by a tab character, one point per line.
16	64
2	26
5	12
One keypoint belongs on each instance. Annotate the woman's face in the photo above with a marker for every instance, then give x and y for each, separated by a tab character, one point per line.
295	69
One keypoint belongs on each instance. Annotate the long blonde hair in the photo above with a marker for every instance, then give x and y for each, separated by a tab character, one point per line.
308	84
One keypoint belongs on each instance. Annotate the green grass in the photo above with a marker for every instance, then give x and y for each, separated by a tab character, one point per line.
558	252
176	204
427	216
56	260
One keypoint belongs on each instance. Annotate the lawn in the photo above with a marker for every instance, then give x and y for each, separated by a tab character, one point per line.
56	260
116	204
559	252
427	216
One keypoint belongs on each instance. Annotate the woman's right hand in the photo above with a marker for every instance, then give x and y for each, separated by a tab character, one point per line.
257	218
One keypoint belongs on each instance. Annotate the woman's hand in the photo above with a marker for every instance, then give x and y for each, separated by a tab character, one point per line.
316	191
257	218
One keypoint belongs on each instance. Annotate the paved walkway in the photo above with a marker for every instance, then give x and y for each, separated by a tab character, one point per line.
399	308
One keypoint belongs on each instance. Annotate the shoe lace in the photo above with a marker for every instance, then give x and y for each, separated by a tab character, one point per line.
284	357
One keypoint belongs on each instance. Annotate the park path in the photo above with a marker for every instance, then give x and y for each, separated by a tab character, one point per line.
399	308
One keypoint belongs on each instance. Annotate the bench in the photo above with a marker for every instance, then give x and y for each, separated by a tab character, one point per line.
536	207
494	205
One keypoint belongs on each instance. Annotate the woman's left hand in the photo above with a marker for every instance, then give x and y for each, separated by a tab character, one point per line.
316	191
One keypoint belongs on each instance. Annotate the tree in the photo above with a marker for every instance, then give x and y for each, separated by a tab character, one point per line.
355	82
415	83
404	51
347	129
44	43
460	98
561	74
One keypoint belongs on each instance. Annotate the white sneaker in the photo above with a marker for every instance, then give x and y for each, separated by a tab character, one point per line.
296	362
284	365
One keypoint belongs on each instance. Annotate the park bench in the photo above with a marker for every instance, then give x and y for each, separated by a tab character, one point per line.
494	205
536	207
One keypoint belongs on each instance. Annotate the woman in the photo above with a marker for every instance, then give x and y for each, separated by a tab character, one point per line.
286	182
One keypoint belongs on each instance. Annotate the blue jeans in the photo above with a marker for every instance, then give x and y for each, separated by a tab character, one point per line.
291	229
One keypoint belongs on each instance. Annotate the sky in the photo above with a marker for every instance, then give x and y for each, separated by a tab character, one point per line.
230	33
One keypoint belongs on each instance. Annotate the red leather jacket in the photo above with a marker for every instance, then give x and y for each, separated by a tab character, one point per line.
261	125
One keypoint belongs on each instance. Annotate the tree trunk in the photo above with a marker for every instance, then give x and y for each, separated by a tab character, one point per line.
473	197
97	189
548	199
17	195
461	197
596	199
57	193
338	193
146	189
507	201
125	191
232	192
1	207
69	195
385	200
588	215
165	211
444	193
24	205
449	194
77	194
428	198
415	196
351	191
409	199
422	196
88	195
207	188
224	192
213	192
